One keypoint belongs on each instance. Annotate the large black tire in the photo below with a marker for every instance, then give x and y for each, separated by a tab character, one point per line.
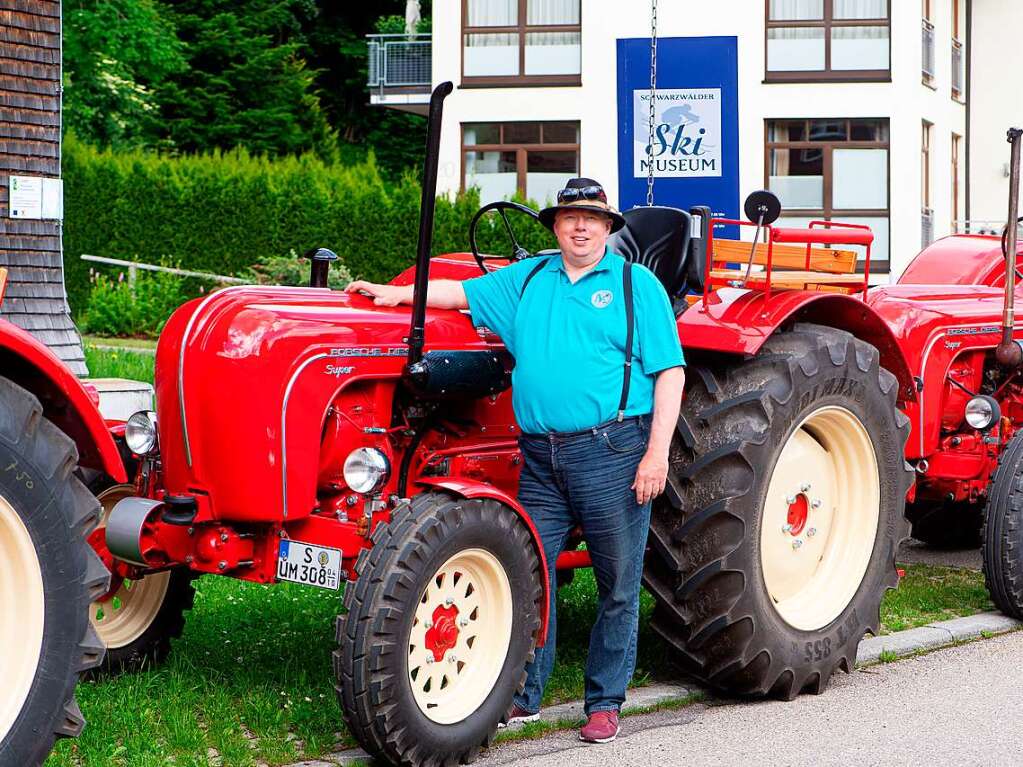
378	655
138	619
1002	533
709	559
48	576
946	525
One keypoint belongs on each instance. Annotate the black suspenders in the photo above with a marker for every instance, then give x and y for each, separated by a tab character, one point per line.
629	324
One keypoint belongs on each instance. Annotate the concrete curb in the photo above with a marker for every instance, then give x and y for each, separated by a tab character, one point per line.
900	644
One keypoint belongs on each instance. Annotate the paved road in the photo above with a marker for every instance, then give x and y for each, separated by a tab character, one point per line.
913	551
959	706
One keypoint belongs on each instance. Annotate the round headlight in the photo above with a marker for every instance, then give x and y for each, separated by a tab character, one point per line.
983	412
140	432
366	470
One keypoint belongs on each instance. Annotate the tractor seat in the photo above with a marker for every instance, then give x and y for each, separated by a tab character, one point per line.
658	238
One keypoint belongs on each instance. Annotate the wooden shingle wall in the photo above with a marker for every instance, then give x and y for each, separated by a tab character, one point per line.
30	80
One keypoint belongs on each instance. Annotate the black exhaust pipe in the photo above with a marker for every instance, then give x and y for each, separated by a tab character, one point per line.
1009	353
426	208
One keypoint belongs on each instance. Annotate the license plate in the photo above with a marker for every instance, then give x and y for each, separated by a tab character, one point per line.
309	564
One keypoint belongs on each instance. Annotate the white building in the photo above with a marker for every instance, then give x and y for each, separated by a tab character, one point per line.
854	110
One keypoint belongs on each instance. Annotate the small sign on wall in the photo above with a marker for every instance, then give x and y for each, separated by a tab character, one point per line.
36	197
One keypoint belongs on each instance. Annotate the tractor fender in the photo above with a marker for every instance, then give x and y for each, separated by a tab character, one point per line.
28	363
736	321
469	489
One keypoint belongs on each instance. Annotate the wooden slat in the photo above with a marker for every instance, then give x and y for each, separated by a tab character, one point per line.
49	8
29	116
30	69
32	53
9	18
3	283
786	278
786	256
11	34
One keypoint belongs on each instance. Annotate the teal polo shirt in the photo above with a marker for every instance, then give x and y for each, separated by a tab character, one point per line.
568	339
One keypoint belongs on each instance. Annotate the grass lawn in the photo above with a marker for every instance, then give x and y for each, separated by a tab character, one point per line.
250	680
105	363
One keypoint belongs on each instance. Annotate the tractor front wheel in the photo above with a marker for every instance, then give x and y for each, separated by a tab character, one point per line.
48	577
775	540
1002	534
137	618
438	629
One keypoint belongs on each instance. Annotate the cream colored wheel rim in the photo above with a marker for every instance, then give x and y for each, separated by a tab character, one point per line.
827	479
122	617
470	592
22	611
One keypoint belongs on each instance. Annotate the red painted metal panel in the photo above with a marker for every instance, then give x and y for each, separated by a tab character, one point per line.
65	400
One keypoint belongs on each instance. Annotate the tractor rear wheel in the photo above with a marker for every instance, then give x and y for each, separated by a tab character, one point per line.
48	577
136	619
438	629
776	537
1002	534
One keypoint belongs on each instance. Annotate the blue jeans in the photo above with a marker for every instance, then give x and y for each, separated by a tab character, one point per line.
584	478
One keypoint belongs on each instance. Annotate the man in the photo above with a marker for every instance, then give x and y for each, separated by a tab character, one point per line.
593	455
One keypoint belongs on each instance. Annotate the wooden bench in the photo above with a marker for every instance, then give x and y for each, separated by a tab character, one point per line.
830	269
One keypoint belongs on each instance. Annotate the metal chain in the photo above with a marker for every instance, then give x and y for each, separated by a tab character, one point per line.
653	90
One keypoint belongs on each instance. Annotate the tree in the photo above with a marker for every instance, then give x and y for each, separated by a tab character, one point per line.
247	83
336	49
116	55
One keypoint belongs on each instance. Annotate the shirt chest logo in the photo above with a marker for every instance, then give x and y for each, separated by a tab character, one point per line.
601	298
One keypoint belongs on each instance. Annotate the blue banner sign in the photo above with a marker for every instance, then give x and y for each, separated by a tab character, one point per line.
695	148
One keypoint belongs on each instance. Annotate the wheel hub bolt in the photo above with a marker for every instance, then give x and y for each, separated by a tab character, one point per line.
796	543
463	622
449	601
805	487
452	659
429	660
811	532
429	624
791	499
786	528
816	503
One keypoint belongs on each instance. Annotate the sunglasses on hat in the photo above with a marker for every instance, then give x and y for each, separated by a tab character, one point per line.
585	193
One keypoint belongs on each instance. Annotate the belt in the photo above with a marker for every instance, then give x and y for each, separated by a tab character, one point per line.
592	430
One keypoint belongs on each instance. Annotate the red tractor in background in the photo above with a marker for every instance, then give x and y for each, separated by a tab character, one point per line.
377	447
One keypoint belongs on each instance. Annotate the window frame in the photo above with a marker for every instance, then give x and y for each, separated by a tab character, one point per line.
521	150
827	212
521	29
827	23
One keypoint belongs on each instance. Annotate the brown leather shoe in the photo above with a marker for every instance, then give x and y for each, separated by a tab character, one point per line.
600	727
517	715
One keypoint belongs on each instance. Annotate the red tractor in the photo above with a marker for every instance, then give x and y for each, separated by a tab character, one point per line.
376	447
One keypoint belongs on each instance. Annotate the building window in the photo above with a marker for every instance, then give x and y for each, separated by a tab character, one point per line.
958	60
834	169
828	40
956	224
927	66
516	42
527	159
926	212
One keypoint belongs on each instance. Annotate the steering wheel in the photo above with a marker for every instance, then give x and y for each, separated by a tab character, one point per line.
518	252
1005	246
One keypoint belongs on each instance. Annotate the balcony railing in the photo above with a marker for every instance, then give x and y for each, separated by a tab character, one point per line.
928	46
926	227
399	61
957	68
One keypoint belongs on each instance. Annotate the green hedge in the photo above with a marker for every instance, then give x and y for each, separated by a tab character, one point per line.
221	212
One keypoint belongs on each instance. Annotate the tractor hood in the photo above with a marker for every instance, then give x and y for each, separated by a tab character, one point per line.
247	373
